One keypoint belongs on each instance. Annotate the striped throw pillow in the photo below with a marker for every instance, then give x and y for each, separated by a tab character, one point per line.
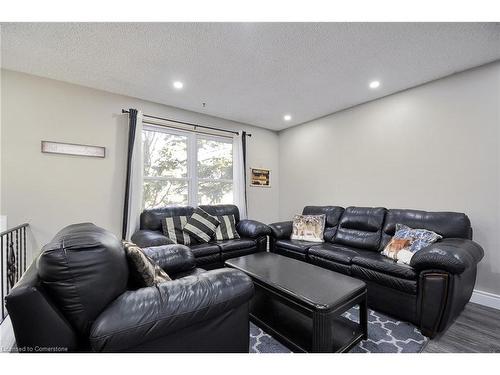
172	228
227	228
201	226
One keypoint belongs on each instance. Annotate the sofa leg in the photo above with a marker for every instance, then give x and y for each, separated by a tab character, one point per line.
428	333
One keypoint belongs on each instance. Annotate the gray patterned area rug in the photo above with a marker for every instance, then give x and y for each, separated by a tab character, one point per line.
385	335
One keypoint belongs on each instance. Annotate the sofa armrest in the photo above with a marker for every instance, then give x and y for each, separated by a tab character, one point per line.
148	238
252	229
453	255
281	230
147	314
38	324
172	258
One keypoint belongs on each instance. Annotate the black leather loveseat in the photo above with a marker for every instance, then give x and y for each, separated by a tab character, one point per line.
76	297
207	255
430	292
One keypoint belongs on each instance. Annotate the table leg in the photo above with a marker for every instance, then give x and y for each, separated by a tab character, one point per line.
322	337
363	316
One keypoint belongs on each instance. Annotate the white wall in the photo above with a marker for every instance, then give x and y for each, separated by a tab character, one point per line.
433	147
51	191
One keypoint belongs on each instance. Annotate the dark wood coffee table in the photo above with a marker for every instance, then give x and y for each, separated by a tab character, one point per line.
301	305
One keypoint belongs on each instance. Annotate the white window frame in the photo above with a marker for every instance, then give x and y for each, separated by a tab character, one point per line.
192	160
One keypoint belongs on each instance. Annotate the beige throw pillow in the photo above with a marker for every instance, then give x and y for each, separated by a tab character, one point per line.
308	227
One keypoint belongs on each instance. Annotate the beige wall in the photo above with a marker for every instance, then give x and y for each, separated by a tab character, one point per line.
51	191
433	147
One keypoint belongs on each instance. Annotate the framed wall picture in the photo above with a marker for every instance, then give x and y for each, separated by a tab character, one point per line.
260	177
50	147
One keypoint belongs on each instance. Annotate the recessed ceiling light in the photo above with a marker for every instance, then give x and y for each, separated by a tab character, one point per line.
374	84
287	117
178	85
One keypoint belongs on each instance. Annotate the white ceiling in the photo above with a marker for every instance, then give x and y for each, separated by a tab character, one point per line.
250	72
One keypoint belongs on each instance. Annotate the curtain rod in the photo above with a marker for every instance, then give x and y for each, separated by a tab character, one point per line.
190	124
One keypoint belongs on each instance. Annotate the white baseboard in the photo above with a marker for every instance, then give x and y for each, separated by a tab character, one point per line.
486	299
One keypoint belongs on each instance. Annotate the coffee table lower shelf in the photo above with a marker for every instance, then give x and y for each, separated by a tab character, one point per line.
298	344
304	330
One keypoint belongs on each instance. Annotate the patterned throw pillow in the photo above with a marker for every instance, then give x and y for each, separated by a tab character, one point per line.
201	226
392	249
420	238
143	270
407	241
227	228
172	228
308	227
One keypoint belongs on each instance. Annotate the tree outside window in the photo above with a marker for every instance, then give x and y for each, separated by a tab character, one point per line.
183	168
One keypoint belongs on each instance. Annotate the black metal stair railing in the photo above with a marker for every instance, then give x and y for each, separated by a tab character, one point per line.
13	260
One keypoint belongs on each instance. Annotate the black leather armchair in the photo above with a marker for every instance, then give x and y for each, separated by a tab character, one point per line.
77	297
430	292
253	234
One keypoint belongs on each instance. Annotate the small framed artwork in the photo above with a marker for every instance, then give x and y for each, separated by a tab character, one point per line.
260	177
73	149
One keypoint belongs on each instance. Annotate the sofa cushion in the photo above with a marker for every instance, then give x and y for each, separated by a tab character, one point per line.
210	262
447	224
236	244
361	227
382	264
222	209
204	249
152	218
296	249
298	246
384	279
237	248
336	253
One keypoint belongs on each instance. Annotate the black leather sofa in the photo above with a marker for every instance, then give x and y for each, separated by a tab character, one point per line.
430	292
208	255
76	297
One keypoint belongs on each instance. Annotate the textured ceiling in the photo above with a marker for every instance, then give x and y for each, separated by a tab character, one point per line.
250	72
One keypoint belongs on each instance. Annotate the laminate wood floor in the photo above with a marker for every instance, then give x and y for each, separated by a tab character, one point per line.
476	330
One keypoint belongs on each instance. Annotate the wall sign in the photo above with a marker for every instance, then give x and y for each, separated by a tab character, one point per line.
73	149
260	177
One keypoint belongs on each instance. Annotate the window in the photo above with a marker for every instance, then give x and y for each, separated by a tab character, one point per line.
186	168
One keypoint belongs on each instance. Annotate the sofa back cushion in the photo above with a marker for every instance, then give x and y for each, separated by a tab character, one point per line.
333	214
446	224
83	269
152	219
361	227
222	209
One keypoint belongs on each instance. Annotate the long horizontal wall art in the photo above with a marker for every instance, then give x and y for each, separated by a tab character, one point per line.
73	149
